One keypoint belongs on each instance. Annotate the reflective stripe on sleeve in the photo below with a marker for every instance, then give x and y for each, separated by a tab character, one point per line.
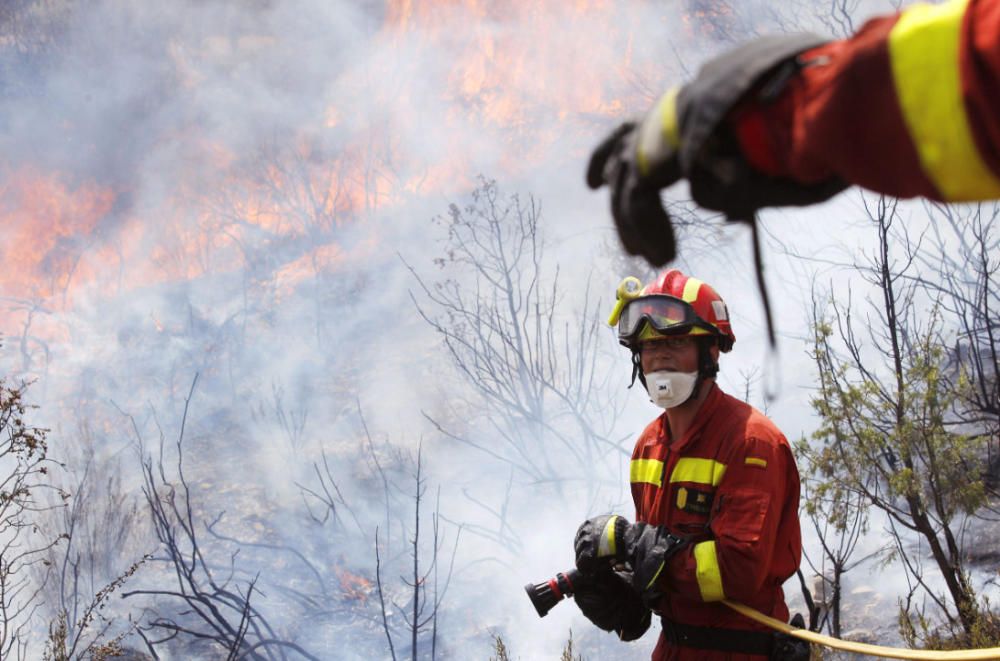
658	134
606	547
707	572
702	471
924	55
649	471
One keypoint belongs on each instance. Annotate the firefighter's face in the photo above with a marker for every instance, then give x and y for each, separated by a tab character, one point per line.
669	354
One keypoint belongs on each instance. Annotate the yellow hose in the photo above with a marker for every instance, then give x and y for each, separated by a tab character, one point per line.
861	648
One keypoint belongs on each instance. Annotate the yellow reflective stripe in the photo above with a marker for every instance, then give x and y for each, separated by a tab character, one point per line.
606	546
924	55
691	288
652	581
707	572
649	471
702	471
668	118
658	133
756	461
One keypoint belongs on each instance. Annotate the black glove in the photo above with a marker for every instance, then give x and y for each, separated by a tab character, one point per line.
607	539
608	600
684	136
643	225
790	648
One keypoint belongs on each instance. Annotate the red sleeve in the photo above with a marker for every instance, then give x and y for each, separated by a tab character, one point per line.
636	488
756	542
910	105
980	67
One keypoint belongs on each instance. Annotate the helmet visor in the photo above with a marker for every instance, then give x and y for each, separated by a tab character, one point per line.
664	313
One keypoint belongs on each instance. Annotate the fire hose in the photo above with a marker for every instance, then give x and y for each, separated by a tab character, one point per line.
547	594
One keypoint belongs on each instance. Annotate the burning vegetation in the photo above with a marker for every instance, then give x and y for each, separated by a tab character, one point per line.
220	264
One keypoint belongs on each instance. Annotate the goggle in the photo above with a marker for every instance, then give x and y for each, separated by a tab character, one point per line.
664	313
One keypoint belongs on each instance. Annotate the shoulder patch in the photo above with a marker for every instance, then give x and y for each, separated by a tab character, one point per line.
759	462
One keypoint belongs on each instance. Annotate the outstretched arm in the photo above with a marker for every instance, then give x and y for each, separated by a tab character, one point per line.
908	106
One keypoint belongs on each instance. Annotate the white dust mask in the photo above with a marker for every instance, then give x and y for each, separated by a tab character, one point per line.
670	389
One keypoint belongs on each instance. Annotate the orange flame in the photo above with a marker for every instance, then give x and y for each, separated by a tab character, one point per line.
523	91
48	225
354	586
522	73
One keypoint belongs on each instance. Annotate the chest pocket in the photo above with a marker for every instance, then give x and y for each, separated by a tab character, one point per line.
693	481
694	501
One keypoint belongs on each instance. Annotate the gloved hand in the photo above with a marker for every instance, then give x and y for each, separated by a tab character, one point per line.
643	225
604	540
790	648
608	600
685	136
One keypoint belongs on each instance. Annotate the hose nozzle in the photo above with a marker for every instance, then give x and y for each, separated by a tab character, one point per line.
547	594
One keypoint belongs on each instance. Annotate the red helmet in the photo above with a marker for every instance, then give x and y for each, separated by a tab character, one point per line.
672	304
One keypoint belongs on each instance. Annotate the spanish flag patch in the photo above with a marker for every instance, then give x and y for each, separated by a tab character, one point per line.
756	461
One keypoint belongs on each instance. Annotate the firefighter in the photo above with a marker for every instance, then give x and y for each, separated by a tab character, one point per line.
909	106
715	487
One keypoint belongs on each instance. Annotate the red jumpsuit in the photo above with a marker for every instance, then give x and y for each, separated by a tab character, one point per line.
910	105
730	485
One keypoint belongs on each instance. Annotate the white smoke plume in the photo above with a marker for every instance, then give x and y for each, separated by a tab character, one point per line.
234	191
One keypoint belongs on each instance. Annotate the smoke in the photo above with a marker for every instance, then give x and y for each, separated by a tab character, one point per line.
234	190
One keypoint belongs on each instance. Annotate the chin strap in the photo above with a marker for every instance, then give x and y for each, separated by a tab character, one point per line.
637	370
707	368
